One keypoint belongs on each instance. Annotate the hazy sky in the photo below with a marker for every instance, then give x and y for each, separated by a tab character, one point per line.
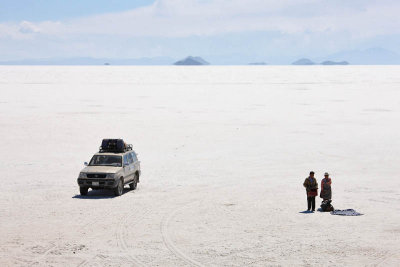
237	30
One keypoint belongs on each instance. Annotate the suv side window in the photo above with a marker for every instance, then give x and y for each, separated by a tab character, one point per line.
130	159
134	156
126	161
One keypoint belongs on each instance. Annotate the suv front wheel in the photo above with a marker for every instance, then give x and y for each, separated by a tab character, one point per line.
119	189
83	190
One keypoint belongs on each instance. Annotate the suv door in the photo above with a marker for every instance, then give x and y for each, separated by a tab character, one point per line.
131	167
135	162
126	168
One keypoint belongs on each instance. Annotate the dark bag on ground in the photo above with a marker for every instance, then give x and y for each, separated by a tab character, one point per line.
326	206
112	145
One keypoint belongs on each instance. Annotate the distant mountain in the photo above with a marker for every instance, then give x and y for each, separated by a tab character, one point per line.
192	61
92	61
328	62
303	61
258	63
371	56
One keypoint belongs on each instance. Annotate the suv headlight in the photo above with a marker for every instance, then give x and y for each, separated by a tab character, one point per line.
110	175
82	175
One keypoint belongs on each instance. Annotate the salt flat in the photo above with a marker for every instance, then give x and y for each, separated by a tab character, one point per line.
224	152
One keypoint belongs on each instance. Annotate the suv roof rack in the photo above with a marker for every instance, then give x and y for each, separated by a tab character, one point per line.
109	150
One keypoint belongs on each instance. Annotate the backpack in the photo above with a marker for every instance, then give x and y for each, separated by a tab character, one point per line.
326	206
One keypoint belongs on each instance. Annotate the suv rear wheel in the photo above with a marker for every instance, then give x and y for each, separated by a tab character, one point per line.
119	189
83	190
133	185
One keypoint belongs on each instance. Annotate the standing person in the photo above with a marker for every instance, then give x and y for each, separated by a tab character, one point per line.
311	186
326	190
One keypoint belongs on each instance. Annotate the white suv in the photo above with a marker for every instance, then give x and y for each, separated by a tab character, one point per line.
107	170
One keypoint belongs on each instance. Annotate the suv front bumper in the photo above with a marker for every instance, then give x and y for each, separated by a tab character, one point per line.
97	183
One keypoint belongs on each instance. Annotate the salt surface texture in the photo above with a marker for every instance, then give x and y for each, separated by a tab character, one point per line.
224	152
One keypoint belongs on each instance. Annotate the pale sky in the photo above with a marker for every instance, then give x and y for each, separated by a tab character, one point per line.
238	30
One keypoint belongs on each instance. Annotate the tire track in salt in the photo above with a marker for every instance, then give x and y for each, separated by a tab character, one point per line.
381	260
167	240
222	206
86	261
122	233
38	260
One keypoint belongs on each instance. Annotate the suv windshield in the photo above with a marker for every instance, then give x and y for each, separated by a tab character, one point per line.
106	160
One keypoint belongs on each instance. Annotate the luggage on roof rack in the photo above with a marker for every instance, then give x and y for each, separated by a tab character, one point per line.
114	145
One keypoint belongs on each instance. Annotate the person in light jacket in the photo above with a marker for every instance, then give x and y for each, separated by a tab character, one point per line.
311	185
326	189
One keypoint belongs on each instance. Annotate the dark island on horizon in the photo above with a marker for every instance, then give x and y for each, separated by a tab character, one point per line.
306	61
191	61
303	61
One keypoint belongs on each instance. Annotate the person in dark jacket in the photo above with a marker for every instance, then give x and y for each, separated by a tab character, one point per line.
311	185
326	190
